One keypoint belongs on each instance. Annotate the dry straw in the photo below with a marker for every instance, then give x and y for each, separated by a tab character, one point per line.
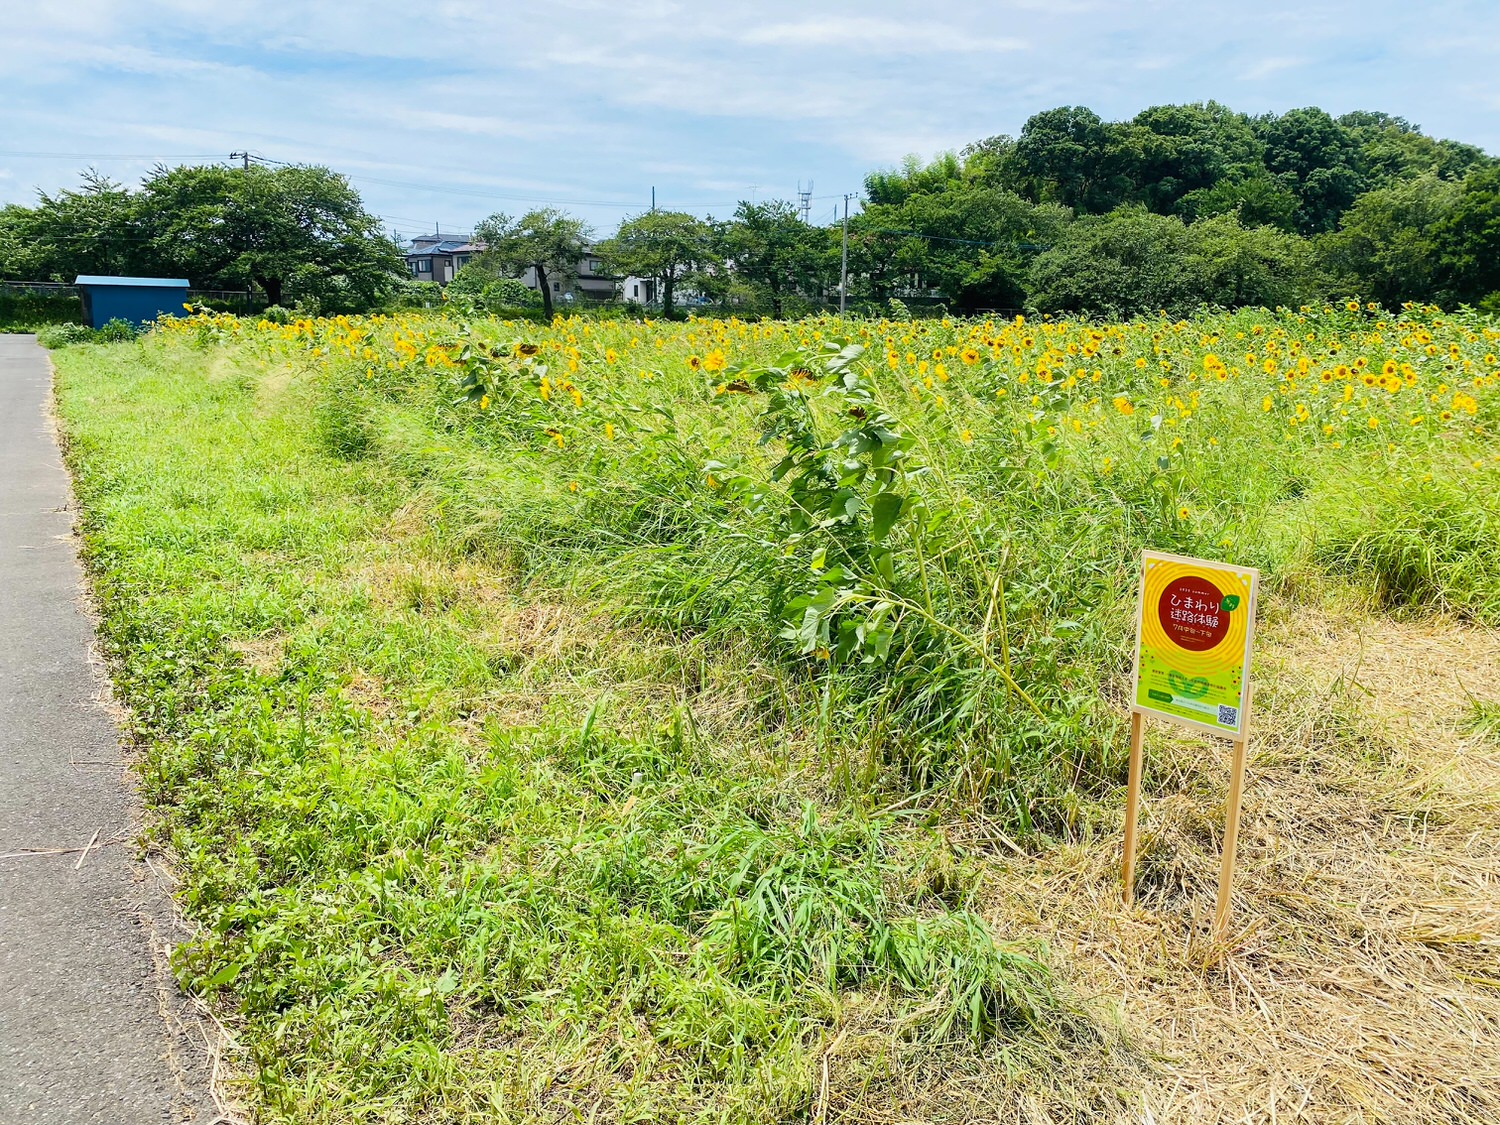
1362	982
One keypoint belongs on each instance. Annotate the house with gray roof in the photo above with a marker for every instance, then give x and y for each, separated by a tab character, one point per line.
437	257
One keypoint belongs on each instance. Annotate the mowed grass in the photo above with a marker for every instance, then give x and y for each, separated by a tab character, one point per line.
453	856
531	750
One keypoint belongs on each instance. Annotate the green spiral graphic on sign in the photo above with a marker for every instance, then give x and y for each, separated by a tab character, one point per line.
1195	688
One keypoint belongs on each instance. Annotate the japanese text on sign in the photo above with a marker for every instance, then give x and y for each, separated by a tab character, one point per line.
1196	622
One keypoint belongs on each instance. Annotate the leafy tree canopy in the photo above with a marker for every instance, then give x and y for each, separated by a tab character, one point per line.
299	232
1468	239
774	250
1387	245
1134	261
545	240
670	246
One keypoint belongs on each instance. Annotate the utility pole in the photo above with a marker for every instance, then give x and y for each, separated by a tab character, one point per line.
844	259
653	199
244	156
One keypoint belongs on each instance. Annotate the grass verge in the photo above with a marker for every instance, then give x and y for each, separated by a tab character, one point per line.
458	845
652	747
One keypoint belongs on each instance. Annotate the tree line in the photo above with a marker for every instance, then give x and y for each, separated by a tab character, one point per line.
1189	204
299	234
1180	206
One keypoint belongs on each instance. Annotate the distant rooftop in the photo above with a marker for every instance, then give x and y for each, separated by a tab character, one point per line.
427	245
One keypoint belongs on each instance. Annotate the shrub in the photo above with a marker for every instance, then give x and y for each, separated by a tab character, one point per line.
508	293
63	335
22	311
116	331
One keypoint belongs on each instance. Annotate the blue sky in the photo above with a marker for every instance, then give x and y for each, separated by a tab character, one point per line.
443	111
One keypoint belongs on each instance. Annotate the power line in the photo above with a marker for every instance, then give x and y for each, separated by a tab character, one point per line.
246	157
117	155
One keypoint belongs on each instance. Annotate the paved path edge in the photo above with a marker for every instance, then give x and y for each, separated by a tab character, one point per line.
93	1028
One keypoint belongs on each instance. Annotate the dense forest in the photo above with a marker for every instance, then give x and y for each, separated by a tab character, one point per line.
1188	204
1179	207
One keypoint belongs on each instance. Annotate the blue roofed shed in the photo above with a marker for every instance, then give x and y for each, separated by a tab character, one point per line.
139	300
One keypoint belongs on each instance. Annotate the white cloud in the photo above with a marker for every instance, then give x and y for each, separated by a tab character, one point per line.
873	34
601	99
474	124
1267	67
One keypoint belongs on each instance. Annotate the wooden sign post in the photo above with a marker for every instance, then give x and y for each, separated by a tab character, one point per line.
1194	630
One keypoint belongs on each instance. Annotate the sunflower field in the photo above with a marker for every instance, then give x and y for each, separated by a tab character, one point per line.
635	720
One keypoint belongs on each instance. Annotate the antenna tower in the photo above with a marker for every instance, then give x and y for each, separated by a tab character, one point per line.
804	200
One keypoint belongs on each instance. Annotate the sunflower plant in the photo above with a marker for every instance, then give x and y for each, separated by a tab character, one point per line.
845	477
863	539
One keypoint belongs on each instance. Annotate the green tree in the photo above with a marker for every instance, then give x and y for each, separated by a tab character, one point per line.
1179	149
1316	159
1069	156
883	252
17	249
770	247
1126	262
547	241
1468	239
975	244
991	162
1386	247
199	226
1394	149
1235	265
1256	199
914	178
300	232
670	246
1135	261
95	229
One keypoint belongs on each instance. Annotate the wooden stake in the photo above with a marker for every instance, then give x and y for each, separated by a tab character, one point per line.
1133	801
1231	838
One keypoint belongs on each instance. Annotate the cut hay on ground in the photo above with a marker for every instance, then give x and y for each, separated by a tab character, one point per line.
1362	982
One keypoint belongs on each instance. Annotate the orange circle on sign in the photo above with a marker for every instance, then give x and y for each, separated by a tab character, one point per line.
1162	574
1188	610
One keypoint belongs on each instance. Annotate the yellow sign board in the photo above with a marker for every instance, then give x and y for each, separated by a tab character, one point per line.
1194	632
1192	665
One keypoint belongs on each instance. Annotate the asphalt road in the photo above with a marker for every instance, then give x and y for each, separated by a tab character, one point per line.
91	1029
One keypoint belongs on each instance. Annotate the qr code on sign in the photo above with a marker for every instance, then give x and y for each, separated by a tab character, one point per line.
1229	716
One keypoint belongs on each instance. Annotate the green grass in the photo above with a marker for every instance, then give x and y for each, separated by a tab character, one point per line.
517	769
1421	546
415	909
1484	720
